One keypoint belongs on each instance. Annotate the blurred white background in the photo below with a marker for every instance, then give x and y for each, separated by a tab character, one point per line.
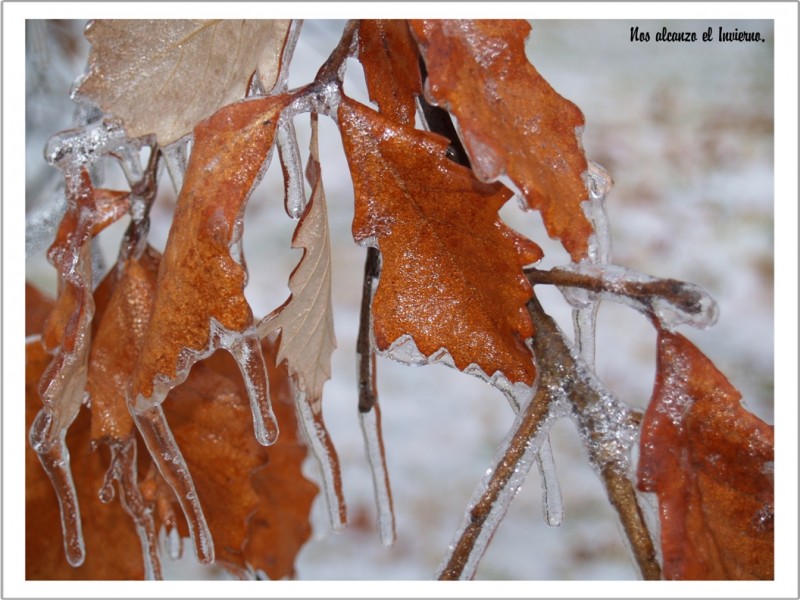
686	130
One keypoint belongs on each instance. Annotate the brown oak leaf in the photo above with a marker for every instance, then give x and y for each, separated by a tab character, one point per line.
163	76
452	271
390	59
512	122
710	462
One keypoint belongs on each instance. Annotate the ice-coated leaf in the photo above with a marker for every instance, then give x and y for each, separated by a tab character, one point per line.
124	300
390	59
208	416
512	122
452	271
256	499
200	303
710	462
67	335
163	76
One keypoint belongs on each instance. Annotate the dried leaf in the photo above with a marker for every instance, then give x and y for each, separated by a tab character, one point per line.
38	307
123	320
279	526
163	76
390	59
306	318
710	462
512	121
202	274
452	271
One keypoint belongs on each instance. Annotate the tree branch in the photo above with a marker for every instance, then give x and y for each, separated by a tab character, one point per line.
593	408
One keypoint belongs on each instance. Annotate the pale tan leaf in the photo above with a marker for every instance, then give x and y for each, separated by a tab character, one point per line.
163	76
306	319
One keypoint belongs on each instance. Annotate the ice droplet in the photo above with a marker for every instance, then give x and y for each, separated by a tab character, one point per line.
324	453
376	457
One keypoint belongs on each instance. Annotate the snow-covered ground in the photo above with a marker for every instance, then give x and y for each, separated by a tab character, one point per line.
686	130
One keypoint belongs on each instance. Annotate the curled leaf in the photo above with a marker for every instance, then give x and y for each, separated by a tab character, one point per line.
163	76
200	303
512	122
710	462
123	319
452	271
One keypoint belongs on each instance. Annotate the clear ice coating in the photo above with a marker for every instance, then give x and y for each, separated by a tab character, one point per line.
404	350
172	465
673	303
123	470
584	316
176	156
373	444
84	146
324	453
553	502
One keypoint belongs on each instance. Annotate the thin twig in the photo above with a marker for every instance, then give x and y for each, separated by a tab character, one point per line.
367	390
681	294
510	471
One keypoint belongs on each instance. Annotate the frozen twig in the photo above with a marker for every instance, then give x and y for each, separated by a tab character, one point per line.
368	408
605	426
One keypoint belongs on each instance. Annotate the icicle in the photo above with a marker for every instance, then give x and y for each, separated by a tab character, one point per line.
373	444
325	454
553	503
176	156
123	470
497	489
246	350
55	461
164	450
295	192
598	183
